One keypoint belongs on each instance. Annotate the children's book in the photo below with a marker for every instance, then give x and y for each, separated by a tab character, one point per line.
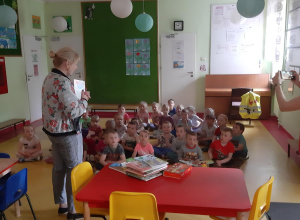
128	169
152	161
121	167
177	170
202	163
150	177
79	85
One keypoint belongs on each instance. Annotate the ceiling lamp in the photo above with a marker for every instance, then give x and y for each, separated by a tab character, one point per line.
144	22
8	16
59	24
236	18
250	8
121	8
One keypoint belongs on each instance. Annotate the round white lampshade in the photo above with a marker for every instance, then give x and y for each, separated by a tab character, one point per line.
144	22
8	16
236	18
59	24
250	8
121	8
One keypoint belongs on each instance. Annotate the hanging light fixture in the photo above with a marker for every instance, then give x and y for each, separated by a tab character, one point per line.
250	8
144	22
8	16
59	24
121	8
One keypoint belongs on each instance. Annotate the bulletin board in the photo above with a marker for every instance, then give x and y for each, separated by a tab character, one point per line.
10	44
105	60
235	48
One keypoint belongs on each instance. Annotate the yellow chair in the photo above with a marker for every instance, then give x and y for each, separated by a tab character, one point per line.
80	176
132	205
261	202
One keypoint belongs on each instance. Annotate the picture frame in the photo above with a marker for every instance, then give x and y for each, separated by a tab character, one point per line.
10	38
178	25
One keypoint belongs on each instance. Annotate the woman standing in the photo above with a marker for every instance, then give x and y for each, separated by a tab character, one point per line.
61	113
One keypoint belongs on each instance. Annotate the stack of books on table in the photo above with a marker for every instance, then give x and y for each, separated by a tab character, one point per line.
146	167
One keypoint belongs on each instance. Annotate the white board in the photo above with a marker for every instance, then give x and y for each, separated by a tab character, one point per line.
74	42
236	48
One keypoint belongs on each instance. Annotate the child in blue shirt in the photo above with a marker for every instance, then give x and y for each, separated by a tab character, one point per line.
239	141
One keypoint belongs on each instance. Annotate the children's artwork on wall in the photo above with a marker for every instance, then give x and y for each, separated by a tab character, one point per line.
36	22
3	80
137	53
69	23
10	43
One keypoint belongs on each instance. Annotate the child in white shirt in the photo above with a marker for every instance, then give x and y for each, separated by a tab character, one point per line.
29	148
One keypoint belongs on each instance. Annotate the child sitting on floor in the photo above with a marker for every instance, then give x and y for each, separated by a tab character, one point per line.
185	121
156	112
143	114
119	125
110	125
222	121
113	152
29	148
130	139
164	141
85	120
171	104
122	110
238	138
140	126
165	116
177	116
196	121
177	145
94	135
207	131
191	151
222	150
143	147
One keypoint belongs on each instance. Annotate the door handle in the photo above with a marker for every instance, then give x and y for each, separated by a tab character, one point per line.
191	73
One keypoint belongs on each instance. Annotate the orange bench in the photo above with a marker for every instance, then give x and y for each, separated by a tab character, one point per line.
218	91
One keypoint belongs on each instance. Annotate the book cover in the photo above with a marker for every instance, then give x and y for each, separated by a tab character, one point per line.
147	178
152	161
79	85
177	170
139	166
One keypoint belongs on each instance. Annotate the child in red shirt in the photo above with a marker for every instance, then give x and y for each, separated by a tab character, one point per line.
222	150
222	121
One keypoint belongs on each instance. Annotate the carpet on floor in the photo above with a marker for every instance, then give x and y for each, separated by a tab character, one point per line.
284	211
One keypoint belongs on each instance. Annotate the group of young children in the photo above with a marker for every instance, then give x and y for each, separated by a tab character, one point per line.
179	132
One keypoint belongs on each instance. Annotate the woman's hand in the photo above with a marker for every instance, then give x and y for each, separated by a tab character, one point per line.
85	95
276	80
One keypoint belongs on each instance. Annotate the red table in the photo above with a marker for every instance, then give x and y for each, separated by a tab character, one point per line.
6	164
206	191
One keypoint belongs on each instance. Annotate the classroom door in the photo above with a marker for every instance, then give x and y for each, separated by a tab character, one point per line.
178	68
32	48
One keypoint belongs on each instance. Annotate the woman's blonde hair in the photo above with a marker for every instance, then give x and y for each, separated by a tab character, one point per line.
63	55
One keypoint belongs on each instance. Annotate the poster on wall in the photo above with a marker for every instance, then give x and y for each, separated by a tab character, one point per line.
178	54
3	80
10	43
36	22
137	57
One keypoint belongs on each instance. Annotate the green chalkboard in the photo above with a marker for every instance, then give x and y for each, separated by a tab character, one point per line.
104	46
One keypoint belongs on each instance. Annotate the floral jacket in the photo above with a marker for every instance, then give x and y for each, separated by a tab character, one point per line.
60	106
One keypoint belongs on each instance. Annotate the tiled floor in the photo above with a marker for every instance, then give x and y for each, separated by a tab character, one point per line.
267	158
